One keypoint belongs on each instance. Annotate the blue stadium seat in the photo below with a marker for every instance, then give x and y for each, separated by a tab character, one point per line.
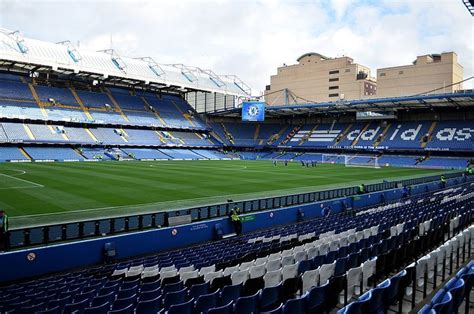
174	298
98	309
230	293
150	295
77	306
270	298
199	289
124	310
150	286
277	310
172	287
182	308
125	302
224	309
444	304
376	302
148	306
316	298
207	301
246	304
51	310
393	293
101	299
127	293
294	306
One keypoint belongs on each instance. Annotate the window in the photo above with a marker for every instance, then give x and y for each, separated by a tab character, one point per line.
334	79
382	74
334	87
333	95
334	72
400	72
348	70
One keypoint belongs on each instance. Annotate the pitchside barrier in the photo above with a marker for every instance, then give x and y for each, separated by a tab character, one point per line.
27	263
49	234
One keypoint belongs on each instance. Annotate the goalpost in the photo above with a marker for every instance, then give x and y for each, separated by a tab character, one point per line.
366	161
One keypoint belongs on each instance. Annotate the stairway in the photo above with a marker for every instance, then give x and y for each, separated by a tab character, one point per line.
382	136
356	140
23	151
430	135
81	104
77	151
291	135
157	114
28	131
308	136
257	131
185	115
344	134
91	134
216	136
116	105
37	100
228	135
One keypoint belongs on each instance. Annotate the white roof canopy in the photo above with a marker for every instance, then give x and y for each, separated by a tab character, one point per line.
16	49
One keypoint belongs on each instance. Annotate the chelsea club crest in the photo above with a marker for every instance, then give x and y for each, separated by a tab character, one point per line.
253	111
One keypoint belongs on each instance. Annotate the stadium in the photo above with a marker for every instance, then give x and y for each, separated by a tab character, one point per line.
128	185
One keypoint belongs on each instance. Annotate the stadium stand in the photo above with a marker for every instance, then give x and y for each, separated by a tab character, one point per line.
55	96
15	91
53	153
455	135
146	154
181	154
11	153
374	251
317	265
94	99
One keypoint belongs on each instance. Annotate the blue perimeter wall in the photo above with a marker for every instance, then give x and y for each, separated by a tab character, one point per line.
61	257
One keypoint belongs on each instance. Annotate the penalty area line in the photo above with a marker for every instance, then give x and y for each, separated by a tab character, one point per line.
22	180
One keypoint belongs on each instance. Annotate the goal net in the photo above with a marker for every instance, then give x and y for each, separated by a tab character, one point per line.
351	160
333	159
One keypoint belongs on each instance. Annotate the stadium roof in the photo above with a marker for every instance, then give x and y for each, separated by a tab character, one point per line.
469	5
24	54
457	100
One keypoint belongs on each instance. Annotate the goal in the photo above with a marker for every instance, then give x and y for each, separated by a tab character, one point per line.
351	160
333	159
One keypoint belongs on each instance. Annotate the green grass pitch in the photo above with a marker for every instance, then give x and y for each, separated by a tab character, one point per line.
38	193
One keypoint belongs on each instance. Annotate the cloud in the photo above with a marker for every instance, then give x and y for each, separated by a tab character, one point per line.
252	38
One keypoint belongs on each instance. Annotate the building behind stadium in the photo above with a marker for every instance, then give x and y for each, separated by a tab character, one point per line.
317	78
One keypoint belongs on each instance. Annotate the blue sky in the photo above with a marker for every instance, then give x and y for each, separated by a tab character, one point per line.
252	38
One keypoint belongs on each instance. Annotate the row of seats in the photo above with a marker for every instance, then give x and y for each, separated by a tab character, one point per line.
10	132
65	153
425	273
446	135
108	106
451	296
171	287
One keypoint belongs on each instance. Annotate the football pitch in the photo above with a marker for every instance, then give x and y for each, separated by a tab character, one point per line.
41	193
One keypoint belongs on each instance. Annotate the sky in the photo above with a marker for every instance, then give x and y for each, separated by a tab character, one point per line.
251	38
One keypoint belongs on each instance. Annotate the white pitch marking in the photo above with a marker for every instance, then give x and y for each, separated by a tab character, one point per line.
21	187
20	172
23	180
